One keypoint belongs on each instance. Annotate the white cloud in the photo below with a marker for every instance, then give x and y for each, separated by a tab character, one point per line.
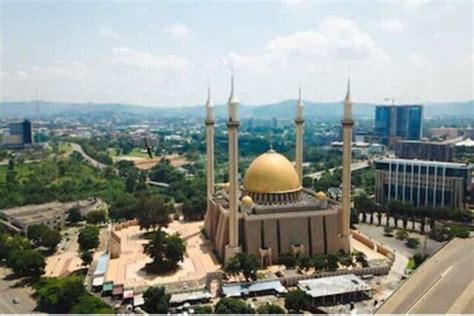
108	33
130	57
419	60
391	25
178	31
337	40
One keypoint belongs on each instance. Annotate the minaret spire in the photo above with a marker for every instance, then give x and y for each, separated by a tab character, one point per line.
299	123
210	158
232	131
344	215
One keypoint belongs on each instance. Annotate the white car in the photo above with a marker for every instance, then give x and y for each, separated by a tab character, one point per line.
16	300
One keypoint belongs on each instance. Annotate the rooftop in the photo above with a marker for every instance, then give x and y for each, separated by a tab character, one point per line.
237	290
423	162
334	285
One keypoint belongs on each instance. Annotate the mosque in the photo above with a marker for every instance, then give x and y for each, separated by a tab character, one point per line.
270	212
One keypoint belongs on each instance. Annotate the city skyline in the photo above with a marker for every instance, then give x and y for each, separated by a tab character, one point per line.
165	54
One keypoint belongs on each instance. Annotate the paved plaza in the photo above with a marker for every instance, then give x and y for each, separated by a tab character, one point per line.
128	269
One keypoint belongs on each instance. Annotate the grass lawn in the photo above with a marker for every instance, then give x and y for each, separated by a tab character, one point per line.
411	264
136	152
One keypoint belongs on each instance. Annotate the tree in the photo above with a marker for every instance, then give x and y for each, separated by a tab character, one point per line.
124	207
361	258
43	236
97	217
418	258
458	231
287	259
26	263
156	300
412	242
364	204
242	263
319	262
86	258
296	301
270	309
51	239
59	295
89	304
166	251
11	243
88	238
401	234
153	211
332	262
388	231
230	305
74	215
203	309
305	263
345	259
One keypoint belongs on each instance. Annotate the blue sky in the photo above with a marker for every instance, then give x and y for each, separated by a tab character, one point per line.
166	53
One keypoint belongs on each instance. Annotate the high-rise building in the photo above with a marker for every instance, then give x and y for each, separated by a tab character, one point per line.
20	134
395	122
423	183
415	149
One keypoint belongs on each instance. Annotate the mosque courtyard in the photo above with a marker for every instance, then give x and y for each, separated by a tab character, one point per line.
128	269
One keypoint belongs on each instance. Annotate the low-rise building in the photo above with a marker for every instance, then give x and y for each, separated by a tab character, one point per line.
52	214
414	149
335	290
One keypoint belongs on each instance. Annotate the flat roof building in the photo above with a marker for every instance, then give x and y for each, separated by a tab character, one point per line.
51	214
335	289
414	149
273	287
423	183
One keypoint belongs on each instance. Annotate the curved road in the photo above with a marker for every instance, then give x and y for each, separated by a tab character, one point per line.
77	148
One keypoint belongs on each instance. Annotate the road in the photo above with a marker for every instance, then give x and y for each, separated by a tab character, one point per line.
9	290
92	161
354	167
443	284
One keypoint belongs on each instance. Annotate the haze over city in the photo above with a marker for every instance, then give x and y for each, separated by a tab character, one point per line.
166	54
236	157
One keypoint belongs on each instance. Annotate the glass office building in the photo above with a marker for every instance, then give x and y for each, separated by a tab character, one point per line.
398	121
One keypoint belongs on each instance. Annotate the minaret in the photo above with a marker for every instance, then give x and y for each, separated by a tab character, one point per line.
210	146
299	122
232	128
344	215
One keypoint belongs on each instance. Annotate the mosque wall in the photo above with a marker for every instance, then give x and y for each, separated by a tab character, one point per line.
294	231
317	235
270	236
253	237
332	233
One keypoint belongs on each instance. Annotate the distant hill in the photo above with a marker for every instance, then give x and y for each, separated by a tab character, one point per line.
282	109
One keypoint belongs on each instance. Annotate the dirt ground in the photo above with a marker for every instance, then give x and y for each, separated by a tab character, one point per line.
146	163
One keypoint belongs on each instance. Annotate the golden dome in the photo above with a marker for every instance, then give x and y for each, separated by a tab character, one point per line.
271	173
321	196
247	201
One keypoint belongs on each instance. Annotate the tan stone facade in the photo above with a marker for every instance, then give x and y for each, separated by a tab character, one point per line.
277	227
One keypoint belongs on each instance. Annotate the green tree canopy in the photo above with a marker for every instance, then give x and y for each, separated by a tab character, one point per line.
242	263
89	304
88	238
97	217
26	263
166	251
270	309
153	211
156	300
296	301
229	305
